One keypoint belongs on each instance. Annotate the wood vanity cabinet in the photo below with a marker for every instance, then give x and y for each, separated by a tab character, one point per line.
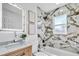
27	51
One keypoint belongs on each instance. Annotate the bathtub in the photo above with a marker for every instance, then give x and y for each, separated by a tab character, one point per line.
50	51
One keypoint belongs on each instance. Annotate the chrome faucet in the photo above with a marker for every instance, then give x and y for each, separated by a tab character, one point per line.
14	36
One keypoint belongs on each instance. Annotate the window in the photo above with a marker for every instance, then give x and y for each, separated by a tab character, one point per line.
60	24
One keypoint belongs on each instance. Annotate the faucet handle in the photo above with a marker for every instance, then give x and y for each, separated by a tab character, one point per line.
14	41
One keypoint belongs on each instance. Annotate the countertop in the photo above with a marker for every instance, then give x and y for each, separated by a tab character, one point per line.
12	47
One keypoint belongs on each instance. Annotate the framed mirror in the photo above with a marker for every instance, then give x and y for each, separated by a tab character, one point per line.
12	17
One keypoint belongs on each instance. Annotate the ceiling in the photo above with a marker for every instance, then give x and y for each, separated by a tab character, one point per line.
44	6
49	6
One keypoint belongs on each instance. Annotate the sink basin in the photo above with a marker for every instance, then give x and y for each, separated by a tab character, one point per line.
2	48
15	45
12	45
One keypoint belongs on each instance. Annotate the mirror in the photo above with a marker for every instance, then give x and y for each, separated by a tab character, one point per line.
11	17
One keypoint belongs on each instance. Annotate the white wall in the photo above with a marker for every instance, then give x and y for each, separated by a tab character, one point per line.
32	38
6	36
0	15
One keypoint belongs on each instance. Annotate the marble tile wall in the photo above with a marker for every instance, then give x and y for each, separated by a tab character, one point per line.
45	30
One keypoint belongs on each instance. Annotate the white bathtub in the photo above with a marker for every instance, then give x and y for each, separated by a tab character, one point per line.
50	51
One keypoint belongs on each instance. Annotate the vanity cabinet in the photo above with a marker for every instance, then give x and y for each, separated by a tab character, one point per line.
27	51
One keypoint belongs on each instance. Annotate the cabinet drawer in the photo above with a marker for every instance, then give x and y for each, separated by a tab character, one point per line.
16	53
27	51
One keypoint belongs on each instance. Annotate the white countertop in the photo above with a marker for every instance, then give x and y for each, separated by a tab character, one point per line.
4	50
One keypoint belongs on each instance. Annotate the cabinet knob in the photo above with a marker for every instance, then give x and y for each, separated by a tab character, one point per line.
23	54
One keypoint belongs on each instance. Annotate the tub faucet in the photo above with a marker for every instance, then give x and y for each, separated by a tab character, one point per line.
14	41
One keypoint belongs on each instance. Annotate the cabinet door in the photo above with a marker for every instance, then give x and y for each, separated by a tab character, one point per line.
26	52
30	51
